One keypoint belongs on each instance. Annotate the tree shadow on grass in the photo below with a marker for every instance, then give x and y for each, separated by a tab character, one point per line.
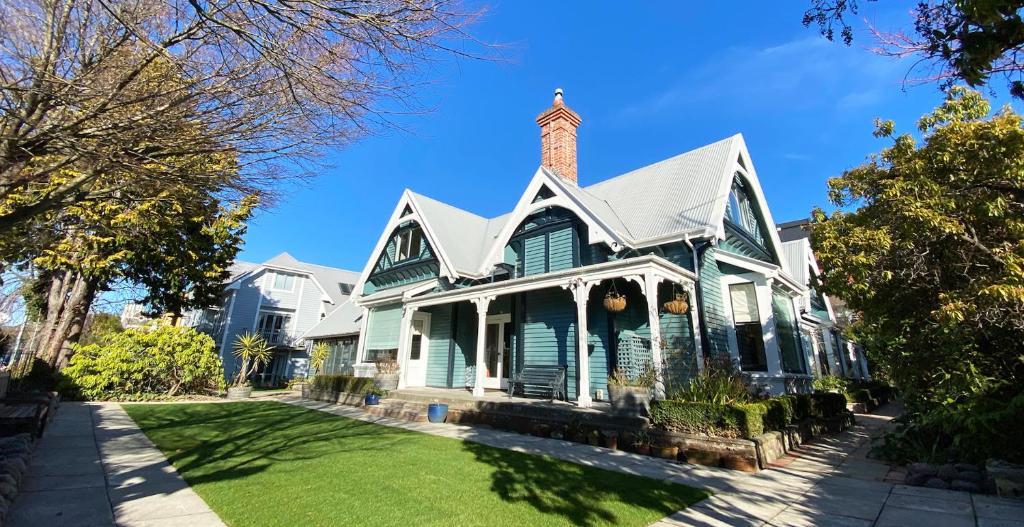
580	494
217	442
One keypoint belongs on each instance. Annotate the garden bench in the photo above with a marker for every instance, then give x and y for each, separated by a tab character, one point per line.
539	380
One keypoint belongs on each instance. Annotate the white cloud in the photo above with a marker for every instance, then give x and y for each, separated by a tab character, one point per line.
805	73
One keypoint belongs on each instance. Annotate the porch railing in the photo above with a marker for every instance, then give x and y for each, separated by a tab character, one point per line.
634	354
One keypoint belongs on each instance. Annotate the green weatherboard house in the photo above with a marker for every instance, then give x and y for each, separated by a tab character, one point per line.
463	302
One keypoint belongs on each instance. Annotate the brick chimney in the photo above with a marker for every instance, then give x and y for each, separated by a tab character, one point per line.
558	138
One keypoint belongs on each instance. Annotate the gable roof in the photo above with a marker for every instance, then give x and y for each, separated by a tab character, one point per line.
679	194
682	196
328	279
343	320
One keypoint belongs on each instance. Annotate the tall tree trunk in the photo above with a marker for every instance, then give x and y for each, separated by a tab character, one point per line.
78	316
65	318
59	284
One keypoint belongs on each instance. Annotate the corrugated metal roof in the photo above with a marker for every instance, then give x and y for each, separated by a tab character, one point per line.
679	194
795	257
344	320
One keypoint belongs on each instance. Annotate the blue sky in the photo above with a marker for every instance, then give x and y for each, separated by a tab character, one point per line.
650	82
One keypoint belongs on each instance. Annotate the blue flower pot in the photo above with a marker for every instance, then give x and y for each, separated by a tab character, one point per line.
371	399
437	412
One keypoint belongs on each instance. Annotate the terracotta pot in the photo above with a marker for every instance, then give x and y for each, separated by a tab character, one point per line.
666	452
677	306
614	303
611	442
643	450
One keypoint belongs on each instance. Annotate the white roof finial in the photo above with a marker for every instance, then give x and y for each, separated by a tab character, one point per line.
558	95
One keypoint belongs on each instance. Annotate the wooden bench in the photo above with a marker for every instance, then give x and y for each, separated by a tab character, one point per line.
24	417
547	380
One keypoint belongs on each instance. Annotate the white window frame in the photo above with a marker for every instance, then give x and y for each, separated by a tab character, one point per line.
763	290
272	281
286	327
404	244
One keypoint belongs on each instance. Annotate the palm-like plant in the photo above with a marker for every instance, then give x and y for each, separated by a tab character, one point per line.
317	357
254	352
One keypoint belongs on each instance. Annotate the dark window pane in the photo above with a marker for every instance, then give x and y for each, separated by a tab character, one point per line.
417	343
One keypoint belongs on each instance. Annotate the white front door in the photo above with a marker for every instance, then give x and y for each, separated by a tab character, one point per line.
498	351
419	342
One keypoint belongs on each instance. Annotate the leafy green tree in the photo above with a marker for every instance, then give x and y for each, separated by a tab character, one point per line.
968	40
135	364
99	326
932	254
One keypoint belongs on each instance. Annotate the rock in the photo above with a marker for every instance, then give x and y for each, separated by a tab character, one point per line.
947	472
967	466
922	468
936	483
970	475
966	486
917	479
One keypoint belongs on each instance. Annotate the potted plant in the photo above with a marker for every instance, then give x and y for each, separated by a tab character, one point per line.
630	394
387	374
642	443
253	351
665	451
678	305
437	412
611	439
373	395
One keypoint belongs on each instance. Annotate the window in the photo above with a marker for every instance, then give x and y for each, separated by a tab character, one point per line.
749	335
740	211
282	281
409	244
374	355
346	289
273	326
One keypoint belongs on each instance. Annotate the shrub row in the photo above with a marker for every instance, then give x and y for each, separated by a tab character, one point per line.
746	420
342	383
872	393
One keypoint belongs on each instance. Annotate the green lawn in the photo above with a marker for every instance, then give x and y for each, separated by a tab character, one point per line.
269	463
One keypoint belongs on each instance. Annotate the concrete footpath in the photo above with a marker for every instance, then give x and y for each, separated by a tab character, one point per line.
830	482
94	467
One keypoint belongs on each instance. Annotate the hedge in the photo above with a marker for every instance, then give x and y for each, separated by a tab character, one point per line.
746	420
342	383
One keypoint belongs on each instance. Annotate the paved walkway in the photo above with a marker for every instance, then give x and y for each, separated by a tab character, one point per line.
828	483
94	467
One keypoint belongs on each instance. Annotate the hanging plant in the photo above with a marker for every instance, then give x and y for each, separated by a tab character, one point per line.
614	301
679	304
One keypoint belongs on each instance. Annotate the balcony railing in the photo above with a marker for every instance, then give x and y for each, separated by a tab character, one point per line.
277	337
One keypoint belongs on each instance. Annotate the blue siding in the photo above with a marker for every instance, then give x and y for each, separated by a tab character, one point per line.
534	255
713	308
440	339
464	365
560	250
597	338
549	331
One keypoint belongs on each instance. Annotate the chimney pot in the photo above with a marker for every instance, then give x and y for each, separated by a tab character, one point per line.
558	126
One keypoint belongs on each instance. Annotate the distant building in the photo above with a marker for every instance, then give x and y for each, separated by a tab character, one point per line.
132	316
281	299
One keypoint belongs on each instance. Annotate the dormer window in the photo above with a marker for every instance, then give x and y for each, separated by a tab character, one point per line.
409	243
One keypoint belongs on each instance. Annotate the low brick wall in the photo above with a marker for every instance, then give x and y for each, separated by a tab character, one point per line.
350	399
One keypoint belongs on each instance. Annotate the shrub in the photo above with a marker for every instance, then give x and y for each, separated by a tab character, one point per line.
719	382
974	430
830	383
724	420
137	364
342	383
827	405
779	412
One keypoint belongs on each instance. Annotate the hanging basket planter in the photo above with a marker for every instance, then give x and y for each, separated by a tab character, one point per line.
678	305
614	302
